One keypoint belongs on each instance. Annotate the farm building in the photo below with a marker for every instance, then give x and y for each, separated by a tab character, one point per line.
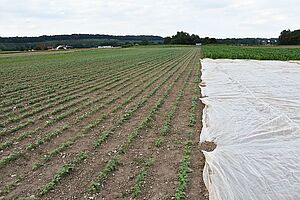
105	47
63	47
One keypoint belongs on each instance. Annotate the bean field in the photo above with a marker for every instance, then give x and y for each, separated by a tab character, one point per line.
101	124
252	52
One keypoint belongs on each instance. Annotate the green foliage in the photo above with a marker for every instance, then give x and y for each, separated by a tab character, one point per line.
62	172
55	94
45	138
139	180
10	142
45	158
104	135
16	128
257	53
102	138
288	37
9	187
111	166
146	121
129	113
185	38
158	142
114	162
171	113
11	157
183	172
75	40
192	118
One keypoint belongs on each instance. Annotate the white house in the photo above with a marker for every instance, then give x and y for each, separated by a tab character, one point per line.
105	47
63	47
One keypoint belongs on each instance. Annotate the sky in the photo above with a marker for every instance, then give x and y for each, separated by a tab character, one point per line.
212	18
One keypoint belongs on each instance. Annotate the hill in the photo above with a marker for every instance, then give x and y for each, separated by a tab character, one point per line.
75	40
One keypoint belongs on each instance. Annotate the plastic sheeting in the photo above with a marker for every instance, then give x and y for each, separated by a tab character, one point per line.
252	113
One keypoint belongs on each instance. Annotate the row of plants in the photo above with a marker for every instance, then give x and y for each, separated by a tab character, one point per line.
104	77
109	91
163	131
42	139
105	134
70	90
113	163
65	107
184	166
59	76
96	184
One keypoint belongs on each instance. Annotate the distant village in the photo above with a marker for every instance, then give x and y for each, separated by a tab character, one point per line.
67	47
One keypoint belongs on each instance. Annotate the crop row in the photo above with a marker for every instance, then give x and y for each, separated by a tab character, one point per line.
64	145
184	166
113	162
105	134
88	127
103	72
164	130
114	101
55	77
85	93
96	184
64	89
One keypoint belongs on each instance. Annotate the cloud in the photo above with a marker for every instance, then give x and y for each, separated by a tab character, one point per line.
223	18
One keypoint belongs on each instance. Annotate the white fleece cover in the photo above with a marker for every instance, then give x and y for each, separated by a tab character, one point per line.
252	113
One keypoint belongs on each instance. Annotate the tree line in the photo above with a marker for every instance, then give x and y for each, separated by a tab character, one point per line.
288	37
185	38
75	40
47	38
191	39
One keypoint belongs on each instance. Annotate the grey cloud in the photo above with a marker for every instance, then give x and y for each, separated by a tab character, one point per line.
223	18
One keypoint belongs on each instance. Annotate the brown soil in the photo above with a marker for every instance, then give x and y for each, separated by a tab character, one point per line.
207	146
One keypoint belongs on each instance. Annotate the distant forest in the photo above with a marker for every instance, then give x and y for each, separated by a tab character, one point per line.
286	37
74	40
185	38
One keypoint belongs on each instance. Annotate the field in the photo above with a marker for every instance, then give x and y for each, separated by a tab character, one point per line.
115	123
252	52
9	52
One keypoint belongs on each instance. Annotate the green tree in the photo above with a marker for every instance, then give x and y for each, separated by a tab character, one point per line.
185	38
288	37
